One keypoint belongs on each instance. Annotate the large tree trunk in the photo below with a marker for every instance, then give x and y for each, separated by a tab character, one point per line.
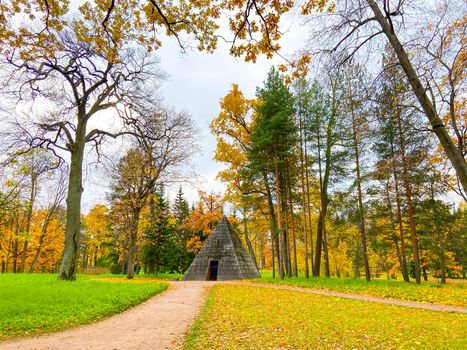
454	154
132	243
70	255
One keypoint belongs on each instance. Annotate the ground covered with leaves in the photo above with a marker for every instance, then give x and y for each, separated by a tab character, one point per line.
427	292
37	303
241	317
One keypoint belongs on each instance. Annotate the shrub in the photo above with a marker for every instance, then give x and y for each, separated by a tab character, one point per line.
115	269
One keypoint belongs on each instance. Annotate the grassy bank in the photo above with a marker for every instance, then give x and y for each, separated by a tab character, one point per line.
427	292
241	317
37	303
141	275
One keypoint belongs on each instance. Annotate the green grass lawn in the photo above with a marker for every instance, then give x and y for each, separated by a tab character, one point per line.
427	292
159	276
37	303
241	317
164	276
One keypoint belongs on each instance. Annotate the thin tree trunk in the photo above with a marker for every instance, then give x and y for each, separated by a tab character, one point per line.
36	256
272	222
361	213
304	209
287	262
292	218
273	262
85	257
32	197
323	180
10	246
404	269
410	207
247	239
285	201
308	201
357	262
425	274
399	251
443	267
279	214
405	272
327	270
15	245
3	268
319	230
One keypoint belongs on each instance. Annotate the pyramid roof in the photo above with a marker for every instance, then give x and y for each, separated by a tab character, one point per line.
224	247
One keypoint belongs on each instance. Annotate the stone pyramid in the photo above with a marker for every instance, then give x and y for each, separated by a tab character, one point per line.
222	257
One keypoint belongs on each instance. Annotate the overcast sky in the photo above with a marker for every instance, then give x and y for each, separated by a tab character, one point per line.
196	83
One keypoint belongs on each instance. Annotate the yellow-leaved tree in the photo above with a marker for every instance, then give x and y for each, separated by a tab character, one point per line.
97	235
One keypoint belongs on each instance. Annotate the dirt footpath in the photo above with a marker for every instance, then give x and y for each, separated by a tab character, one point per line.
159	323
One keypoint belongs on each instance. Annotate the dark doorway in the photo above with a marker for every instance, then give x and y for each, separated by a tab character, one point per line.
212	271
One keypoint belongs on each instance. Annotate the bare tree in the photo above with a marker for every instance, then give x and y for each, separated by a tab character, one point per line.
72	89
358	23
152	161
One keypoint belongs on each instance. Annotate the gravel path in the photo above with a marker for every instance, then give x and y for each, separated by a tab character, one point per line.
433	307
159	323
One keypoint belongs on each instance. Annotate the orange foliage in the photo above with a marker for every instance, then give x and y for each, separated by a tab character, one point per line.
203	219
46	238
107	26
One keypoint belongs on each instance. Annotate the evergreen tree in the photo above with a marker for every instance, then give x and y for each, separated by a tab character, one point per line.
272	139
180	211
180	208
157	234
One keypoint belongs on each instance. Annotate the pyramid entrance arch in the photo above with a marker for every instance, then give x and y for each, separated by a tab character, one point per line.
212	270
